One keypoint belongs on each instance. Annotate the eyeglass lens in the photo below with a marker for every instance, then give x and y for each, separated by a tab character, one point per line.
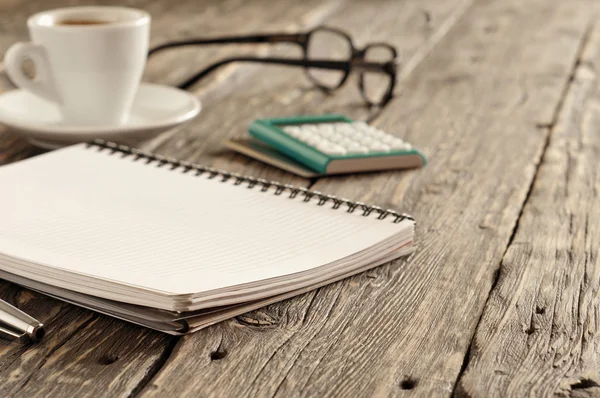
377	85
327	45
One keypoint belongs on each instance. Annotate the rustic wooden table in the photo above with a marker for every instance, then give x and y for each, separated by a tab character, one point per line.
501	296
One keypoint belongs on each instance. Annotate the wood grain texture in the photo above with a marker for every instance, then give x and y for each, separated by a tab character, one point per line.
191	19
477	100
87	354
86	366
540	330
477	89
237	94
254	91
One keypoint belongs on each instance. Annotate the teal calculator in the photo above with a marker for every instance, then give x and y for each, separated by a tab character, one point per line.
328	144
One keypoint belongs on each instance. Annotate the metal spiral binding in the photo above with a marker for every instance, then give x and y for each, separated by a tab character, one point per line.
251	182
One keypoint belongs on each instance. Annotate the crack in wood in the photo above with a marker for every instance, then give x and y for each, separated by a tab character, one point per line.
54	349
156	367
331	345
584	384
264	365
458	389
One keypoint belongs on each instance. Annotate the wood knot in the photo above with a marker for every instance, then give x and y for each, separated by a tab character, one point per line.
257	319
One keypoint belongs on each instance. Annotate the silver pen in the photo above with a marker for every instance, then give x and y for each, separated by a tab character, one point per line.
17	325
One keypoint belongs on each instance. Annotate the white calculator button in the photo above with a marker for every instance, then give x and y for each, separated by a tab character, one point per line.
309	130
325	130
337	137
377	133
314	141
331	149
343	128
398	144
311	139
333	126
361	125
365	140
379	147
358	149
291	130
303	136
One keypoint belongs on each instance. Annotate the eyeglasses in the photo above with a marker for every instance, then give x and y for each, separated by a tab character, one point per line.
329	58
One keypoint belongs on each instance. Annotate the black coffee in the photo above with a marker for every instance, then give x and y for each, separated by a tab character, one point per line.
82	22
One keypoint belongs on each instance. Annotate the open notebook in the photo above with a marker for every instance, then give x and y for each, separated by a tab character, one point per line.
176	246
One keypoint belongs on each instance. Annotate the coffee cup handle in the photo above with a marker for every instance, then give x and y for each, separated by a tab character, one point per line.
42	84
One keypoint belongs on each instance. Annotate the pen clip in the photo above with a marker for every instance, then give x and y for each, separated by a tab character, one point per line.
12	335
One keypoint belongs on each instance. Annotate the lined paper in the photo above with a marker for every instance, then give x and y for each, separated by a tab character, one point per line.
106	216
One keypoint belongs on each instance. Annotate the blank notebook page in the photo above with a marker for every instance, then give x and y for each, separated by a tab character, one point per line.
107	216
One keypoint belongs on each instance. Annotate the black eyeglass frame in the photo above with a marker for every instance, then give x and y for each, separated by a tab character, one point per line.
356	62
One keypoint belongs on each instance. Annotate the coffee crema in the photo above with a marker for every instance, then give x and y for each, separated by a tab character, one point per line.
81	21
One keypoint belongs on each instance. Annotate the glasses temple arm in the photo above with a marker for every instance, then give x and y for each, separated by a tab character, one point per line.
320	64
381	67
270	38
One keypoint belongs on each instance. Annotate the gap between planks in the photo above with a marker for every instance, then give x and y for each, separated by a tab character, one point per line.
407	70
548	128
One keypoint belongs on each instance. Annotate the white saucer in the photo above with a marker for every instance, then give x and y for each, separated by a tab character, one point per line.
156	108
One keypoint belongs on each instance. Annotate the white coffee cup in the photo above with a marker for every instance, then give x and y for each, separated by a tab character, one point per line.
88	61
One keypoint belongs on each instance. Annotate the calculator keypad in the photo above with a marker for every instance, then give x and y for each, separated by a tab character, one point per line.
340	139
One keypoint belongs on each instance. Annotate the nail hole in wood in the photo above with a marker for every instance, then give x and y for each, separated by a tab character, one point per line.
540	310
408	383
530	330
108	359
218	354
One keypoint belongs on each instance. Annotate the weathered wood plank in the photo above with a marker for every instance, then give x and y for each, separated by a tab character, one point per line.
172	21
22	367
81	365
540	328
252	91
476	101
19	362
76	353
236	94
13	18
9	4
85	353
